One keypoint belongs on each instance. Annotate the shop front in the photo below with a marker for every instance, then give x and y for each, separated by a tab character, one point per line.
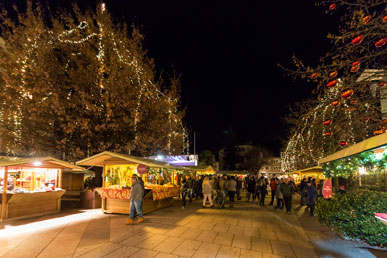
159	181
31	186
316	172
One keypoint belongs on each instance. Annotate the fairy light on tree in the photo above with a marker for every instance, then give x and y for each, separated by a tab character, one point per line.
87	86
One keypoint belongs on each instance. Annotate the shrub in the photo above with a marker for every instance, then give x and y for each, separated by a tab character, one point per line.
353	215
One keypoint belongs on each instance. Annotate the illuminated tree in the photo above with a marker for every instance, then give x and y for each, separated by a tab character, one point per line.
77	84
351	86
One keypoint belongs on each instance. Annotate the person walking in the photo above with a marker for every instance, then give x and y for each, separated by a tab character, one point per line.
279	196
207	191
199	190
302	192
136	197
184	191
239	187
251	188
223	191
311	196
262	188
231	188
190	185
287	190
273	187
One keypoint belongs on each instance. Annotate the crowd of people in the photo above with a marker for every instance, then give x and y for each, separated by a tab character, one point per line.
215	189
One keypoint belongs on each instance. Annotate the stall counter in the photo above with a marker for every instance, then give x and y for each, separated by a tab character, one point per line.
24	205
116	200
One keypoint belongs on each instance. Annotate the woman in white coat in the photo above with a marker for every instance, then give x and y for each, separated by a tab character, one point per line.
207	191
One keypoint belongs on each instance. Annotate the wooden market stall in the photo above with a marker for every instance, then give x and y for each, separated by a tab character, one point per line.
159	179
314	172
200	170
37	186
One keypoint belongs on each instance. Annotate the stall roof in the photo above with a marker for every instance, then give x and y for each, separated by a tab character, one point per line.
112	158
368	144
41	162
307	170
199	168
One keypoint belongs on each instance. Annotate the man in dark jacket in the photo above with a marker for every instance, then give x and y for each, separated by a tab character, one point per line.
136	197
239	188
273	187
250	188
223	190
287	190
311	195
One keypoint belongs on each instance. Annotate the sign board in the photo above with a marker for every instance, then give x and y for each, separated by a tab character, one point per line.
327	189
141	169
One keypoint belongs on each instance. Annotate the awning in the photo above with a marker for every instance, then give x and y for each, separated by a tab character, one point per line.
39	162
234	172
368	144
112	158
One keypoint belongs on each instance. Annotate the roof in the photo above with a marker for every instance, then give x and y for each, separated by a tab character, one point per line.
235	172
41	162
112	158
199	168
368	144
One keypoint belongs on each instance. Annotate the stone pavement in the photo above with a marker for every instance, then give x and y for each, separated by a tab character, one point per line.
245	231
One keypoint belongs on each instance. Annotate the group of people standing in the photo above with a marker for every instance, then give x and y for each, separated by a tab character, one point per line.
214	189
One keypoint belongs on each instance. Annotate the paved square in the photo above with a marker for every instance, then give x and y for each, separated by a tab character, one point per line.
245	231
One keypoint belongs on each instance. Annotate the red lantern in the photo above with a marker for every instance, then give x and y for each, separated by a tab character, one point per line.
327	122
384	19
357	40
332	7
347	94
331	83
379	131
349	109
333	74
314	75
381	84
355	66
366	19
335	103
343	143
354	69
328	133
381	42
354	101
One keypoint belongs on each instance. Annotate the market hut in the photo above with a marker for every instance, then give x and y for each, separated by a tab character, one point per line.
362	165
34	186
236	173
117	171
316	172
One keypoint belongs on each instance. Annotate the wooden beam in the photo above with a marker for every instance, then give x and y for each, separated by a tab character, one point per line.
103	175
4	205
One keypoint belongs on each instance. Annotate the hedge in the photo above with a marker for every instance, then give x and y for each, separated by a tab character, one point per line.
352	214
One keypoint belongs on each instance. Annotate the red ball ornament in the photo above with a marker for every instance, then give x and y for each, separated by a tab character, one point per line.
380	42
354	101
328	133
332	83
356	63
357	40
347	94
343	143
381	84
327	122
384	19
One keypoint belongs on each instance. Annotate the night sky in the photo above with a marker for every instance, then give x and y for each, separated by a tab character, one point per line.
227	54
